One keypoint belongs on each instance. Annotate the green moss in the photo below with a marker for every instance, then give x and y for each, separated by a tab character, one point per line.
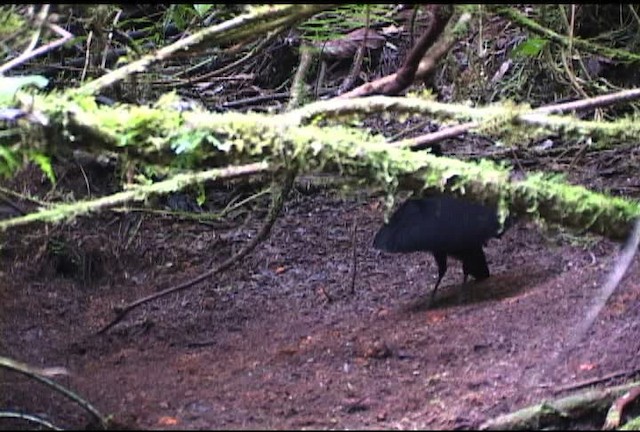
198	139
10	21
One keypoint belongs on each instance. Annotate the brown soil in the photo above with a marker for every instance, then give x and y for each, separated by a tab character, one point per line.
281	341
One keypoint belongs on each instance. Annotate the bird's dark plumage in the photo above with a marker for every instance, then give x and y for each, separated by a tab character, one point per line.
444	226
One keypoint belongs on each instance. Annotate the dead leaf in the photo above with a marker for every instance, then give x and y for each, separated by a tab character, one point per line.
586	367
281	269
167	421
347	46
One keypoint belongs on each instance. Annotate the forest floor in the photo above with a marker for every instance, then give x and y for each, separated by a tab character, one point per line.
284	340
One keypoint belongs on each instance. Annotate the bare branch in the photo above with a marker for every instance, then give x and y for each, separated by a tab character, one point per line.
252	24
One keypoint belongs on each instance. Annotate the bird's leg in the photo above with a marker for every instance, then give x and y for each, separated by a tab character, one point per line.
474	263
462	292
465	270
441	261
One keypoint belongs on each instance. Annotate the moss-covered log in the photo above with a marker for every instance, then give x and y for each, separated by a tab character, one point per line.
197	140
556	414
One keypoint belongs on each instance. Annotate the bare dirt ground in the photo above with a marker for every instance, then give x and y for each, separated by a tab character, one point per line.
281	341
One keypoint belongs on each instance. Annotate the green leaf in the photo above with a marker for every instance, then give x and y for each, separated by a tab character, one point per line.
202	9
187	142
202	195
45	165
8	162
529	48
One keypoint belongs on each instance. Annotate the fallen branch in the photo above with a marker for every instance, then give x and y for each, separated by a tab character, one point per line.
274	211
65	211
614	416
440	16
424	141
395	83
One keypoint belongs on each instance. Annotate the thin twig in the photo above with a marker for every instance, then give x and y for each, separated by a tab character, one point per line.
256	99
65	37
87	57
592	381
105	52
254	23
15	194
40	21
216	73
13	205
423	141
298	93
139	193
354	256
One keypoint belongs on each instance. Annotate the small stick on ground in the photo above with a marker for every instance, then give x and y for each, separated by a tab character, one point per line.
354	260
596	380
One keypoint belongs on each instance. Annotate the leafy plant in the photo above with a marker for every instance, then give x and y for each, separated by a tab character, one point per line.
334	23
530	47
10	155
202	9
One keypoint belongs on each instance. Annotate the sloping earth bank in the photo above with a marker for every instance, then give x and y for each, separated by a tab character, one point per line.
281	341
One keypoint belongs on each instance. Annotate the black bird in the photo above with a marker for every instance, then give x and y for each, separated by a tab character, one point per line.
444	226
